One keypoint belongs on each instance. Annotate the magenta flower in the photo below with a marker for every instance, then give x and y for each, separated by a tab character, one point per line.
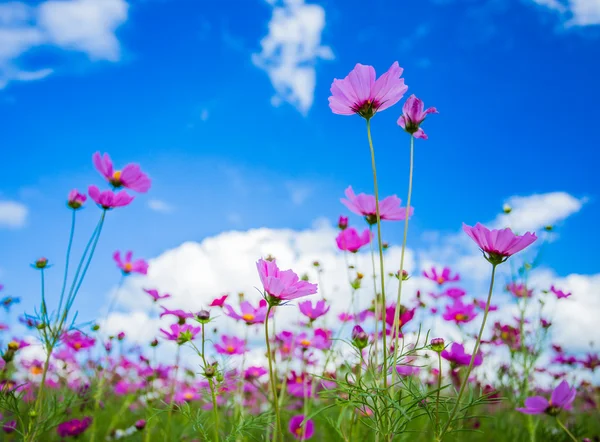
131	176
77	340
10	426
180	314
480	304
312	313
155	295
350	240
319	340
249	314
413	114
342	222
360	93
454	293
363	204
181	333
75	199
282	285
457	355
561	399
186	394
498	245
230	345
441	277
299	385
459	312
302	428
74	427
218	302
109	199
559	293
519	290
128	266
255	372
405	315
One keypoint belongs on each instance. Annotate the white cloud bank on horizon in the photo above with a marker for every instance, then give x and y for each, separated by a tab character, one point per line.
12	214
86	26
291	49
577	13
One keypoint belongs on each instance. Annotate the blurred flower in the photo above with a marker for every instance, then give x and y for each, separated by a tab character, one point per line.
76	199
231	345
302	428
181	333
128	266
519	290
74	427
218	302
457	355
363	204
77	340
249	314
282	285
559	293
343	222
131	176
307	309
8	301
441	277
561	399
413	114
459	312
498	245
155	295
350	240
180	314
360	339
108	199
360	93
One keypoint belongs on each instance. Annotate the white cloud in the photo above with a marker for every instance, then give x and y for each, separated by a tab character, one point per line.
160	206
12	214
86	26
575	12
291	49
537	211
299	192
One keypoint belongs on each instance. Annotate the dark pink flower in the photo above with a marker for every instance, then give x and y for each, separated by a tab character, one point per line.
76	199
454	293
559	293
307	309
218	302
9	427
519	290
342	222
230	345
302	428
498	245
128	266
480	304
74	427
363	204
413	114
109	199
360	93
180	314
350	240
131	176
441	277
77	340
155	295
249	314
186	394
458	356
318	340
459	312
282	285
181	333
561	399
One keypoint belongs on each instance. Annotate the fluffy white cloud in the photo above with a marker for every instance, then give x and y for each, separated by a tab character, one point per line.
291	49
575	12
160	206
86	26
12	214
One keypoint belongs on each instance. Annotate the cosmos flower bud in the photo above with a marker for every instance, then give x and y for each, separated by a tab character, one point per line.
360	339
209	372
219	377
154	342
343	222
506	209
385	246
96	327
12	345
41	326
121	336
548	228
140	425
316	264
359	275
76	199
41	263
437	344
203	316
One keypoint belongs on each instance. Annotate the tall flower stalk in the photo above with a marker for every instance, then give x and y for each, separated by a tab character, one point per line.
272	378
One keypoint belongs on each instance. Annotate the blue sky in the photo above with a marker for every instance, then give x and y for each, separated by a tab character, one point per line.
183	88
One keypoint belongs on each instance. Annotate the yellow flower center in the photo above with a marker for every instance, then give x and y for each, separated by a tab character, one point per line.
298	431
128	267
440	279
35	370
299	380
461	317
188	396
305	342
77	345
248	317
117	175
230	349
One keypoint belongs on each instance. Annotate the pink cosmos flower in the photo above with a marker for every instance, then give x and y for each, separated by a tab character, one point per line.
360	93
413	114
457	355
255	372
299	385
109	199
480	304
561	399
312	313
363	204
180	314
77	340
249	314
76	199
230	345
519	290
499	245
350	240
302	428
407	370
454	293
74	427
128	266
218	302
318	341
155	295
441	277
282	285
459	312
186	394
131	176
559	293
591	361
181	333
405	315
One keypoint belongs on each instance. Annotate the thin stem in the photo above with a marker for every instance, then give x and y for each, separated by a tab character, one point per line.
272	377
172	394
215	407
67	259
376	298
381	270
475	350
397	325
439	387
561	425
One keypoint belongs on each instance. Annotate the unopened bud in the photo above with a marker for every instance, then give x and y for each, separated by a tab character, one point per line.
506	209
203	316
343	222
41	263
437	344
140	425
209	371
154	342
360	339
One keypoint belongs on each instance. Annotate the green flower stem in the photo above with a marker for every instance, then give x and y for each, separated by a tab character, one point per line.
277	428
475	350
172	393
67	259
396	327
439	387
566	430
